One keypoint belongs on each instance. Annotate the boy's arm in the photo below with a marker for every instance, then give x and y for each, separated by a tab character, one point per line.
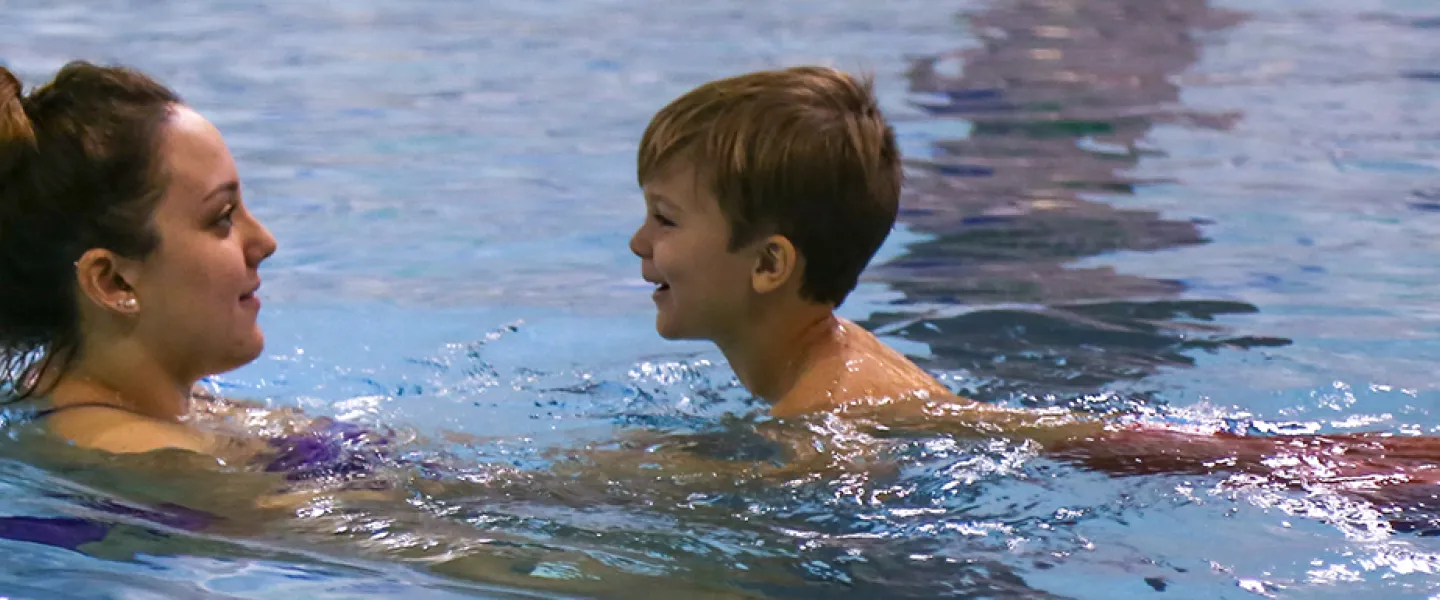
1372	458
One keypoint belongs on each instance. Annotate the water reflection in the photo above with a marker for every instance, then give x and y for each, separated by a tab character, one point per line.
1061	95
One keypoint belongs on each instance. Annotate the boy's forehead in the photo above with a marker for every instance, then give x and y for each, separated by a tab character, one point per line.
677	181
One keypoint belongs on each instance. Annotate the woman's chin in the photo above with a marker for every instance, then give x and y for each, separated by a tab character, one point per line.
246	351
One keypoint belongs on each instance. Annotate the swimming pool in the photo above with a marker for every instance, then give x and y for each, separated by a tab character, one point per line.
1220	207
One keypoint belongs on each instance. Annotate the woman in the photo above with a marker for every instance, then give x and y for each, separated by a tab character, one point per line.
129	262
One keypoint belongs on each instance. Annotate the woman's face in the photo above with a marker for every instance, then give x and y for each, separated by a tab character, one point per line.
195	293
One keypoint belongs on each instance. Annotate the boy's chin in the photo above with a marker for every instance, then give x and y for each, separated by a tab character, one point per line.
672	331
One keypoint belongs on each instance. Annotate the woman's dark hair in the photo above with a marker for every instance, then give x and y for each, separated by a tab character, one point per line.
78	170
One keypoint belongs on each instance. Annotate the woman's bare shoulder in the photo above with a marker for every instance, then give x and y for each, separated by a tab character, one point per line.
119	432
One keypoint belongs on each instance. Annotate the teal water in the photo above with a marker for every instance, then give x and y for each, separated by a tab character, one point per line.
1221	208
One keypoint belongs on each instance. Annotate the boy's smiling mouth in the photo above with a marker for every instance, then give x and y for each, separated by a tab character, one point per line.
661	286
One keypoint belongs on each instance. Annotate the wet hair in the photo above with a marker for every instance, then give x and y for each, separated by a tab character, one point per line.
802	152
79	169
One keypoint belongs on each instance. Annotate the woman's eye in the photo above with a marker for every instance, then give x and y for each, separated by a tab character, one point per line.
226	217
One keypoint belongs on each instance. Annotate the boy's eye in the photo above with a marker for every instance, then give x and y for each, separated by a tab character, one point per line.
659	218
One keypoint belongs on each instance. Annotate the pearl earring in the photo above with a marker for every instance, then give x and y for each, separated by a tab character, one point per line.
129	303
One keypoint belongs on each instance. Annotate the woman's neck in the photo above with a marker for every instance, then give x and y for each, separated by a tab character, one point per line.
127	377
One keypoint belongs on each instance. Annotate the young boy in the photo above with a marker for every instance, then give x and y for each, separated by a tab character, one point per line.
767	195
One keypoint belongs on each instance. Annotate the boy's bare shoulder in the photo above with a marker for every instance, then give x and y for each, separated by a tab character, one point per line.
884	367
861	369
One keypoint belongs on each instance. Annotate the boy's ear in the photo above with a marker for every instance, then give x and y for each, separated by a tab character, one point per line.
776	263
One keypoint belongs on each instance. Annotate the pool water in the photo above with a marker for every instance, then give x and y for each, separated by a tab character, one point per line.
1218	209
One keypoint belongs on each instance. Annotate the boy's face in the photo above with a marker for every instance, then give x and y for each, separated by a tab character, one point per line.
703	288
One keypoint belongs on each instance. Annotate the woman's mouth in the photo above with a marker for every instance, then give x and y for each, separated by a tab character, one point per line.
250	300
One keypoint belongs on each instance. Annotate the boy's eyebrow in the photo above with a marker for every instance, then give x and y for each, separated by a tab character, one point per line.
658	198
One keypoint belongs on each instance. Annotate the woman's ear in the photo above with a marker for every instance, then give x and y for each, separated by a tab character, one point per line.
776	263
105	279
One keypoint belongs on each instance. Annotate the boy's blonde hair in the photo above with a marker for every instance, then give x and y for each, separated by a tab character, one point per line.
801	152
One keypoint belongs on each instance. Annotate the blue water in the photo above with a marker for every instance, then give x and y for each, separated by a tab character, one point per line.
1223	208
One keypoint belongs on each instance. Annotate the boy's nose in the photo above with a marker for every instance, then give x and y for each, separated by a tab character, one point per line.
638	244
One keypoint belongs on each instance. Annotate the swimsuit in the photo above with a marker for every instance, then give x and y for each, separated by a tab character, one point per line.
334	450
72	532
331	450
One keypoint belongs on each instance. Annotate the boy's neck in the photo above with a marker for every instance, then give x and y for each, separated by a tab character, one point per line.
771	354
